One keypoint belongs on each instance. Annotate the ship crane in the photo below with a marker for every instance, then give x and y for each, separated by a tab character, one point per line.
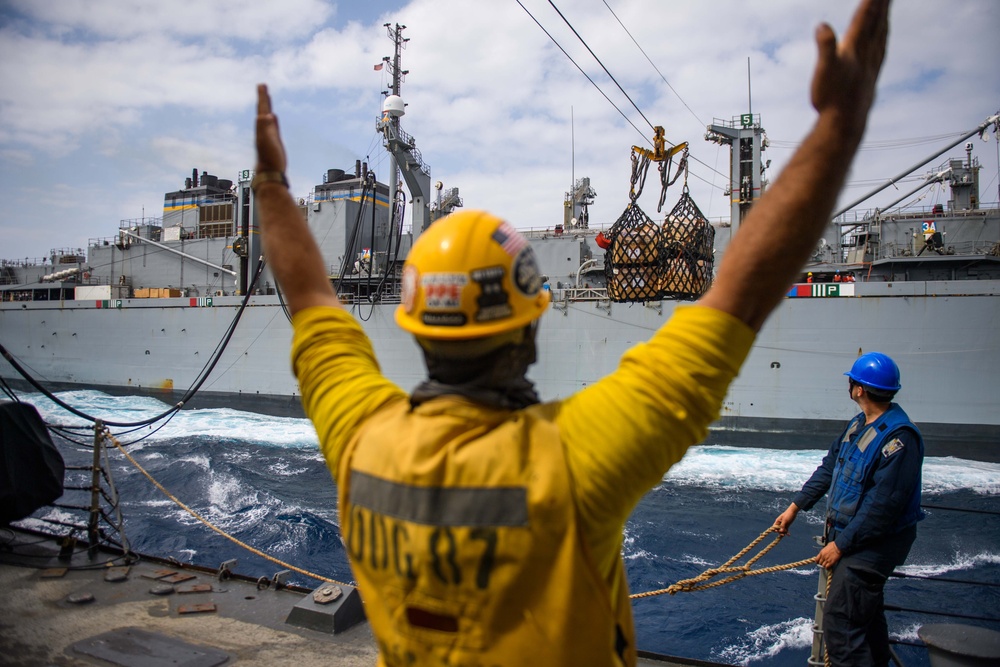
576	203
447	201
416	173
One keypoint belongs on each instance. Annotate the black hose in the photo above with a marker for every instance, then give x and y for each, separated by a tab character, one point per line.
959	509
188	395
354	235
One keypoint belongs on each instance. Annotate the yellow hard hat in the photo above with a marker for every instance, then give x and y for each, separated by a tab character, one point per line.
470	275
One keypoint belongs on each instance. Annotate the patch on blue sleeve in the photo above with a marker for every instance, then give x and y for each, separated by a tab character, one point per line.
893	446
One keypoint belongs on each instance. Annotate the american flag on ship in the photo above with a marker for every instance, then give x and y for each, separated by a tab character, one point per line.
510	239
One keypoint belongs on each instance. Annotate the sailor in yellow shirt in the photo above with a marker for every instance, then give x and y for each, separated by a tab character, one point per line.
484	526
486	490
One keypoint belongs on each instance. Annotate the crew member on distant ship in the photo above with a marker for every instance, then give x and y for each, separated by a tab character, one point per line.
483	526
872	473
809	277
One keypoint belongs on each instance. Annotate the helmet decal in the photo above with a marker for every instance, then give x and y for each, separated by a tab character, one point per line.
443	291
408	288
451	319
493	301
527	277
509	239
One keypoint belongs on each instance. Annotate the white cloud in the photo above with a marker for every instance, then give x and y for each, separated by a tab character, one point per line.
195	19
108	92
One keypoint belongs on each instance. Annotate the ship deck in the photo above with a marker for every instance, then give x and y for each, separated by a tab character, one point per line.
78	612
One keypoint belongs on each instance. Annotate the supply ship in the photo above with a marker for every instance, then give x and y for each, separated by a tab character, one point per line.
186	300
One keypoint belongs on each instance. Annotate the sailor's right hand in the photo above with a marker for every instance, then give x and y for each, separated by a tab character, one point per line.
785	519
270	150
844	79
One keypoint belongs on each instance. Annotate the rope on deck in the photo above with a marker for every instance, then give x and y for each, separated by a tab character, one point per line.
107	434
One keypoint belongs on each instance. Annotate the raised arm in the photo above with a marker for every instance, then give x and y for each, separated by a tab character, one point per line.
289	246
781	230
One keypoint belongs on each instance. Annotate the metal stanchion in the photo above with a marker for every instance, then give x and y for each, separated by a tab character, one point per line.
818	656
95	491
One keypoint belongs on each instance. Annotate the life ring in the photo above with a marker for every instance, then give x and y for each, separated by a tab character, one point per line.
86	275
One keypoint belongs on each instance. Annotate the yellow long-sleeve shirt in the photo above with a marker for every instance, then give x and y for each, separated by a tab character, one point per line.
620	434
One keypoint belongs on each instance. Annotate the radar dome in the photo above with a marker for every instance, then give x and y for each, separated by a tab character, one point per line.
393	105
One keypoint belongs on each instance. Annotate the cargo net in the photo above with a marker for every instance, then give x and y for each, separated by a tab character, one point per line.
633	266
689	240
645	261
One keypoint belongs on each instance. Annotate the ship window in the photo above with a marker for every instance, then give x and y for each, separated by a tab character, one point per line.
215	220
216	213
215	230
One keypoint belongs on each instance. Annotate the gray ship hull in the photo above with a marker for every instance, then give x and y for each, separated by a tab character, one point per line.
790	393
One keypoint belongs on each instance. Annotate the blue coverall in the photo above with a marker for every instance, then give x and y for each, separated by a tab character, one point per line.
875	540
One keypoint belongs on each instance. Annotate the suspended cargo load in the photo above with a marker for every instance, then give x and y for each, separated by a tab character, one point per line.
634	264
689	239
647	262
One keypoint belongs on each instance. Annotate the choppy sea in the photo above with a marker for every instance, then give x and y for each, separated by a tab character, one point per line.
261	479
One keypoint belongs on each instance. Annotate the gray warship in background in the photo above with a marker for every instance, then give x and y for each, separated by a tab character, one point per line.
151	309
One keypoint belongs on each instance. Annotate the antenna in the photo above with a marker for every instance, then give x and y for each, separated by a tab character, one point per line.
572	152
749	95
396	35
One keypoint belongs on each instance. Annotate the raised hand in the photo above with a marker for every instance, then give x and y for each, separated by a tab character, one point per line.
844	80
270	150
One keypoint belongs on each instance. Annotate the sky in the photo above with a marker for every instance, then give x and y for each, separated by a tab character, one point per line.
105	105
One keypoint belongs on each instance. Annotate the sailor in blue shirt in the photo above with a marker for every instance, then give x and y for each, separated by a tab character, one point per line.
872	475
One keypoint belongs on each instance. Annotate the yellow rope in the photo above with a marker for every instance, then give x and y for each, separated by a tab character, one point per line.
205	521
727	568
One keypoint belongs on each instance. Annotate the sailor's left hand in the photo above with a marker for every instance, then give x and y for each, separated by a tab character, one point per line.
828	555
270	150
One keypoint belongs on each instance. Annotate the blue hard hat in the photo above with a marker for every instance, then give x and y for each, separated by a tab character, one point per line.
876	370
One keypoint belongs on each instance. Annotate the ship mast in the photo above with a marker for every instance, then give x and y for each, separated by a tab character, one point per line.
747	141
405	157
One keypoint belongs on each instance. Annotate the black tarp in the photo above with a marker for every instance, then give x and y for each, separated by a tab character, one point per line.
31	468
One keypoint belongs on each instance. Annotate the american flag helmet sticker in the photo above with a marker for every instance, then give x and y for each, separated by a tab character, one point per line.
511	240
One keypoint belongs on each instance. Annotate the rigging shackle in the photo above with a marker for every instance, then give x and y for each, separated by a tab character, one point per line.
641	157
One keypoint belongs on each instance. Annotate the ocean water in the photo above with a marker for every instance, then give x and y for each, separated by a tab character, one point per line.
261	479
